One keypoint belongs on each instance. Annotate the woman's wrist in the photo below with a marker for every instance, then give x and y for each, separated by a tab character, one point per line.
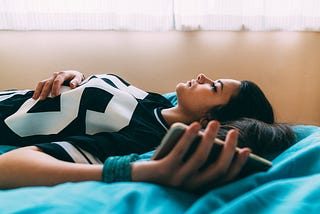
118	168
145	171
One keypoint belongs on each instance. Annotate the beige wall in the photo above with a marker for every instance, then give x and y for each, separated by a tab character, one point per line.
285	64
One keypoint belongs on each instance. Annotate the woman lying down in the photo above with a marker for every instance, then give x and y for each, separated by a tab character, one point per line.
97	129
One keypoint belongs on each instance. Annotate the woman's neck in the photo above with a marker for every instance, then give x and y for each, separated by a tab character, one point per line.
175	114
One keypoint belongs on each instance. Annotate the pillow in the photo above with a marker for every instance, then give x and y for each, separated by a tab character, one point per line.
172	97
4	149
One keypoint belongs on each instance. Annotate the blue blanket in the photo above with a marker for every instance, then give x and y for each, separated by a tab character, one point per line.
292	185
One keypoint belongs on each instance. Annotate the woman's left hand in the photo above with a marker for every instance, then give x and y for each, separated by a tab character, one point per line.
173	171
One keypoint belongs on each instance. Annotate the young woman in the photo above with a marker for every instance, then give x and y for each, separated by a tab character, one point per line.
244	99
105	116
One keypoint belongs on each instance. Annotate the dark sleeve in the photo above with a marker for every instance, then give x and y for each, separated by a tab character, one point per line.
104	145
55	151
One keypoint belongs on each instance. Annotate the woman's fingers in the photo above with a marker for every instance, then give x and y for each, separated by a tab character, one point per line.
173	163
190	174
74	78
77	79
225	158
180	149
223	170
43	88
236	166
38	90
218	171
199	157
53	84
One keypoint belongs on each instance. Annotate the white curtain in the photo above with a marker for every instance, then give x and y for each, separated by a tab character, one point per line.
133	15
255	15
160	15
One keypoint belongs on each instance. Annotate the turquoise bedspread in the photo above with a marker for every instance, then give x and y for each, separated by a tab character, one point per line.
292	186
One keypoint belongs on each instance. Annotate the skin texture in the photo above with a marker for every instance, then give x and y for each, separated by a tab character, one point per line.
172	171
196	97
29	166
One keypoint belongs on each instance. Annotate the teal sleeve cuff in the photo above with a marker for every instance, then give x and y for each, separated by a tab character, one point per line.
118	168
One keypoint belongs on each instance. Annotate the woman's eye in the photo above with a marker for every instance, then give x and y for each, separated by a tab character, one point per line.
214	87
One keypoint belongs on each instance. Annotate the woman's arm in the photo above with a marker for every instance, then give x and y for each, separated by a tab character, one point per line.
53	84
30	167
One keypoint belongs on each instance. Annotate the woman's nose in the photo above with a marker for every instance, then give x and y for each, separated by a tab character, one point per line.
201	78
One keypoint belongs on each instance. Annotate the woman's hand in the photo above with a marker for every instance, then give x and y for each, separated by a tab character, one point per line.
173	171
53	84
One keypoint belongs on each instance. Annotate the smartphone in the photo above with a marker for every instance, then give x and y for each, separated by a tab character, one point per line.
253	164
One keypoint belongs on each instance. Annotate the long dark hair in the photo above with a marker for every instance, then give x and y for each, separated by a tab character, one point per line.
266	140
250	102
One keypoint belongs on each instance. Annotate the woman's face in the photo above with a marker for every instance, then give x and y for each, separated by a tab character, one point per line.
198	96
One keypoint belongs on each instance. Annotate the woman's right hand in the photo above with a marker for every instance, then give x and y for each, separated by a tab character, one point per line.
53	84
173	171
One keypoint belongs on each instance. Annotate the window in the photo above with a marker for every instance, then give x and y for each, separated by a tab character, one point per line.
160	15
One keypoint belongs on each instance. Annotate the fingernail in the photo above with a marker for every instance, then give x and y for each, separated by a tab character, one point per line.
248	153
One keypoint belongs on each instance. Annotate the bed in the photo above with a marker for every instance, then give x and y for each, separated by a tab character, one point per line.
292	185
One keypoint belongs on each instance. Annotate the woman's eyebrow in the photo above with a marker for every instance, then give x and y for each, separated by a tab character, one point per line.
221	83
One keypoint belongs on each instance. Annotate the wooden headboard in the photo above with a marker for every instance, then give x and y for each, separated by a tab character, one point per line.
285	64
